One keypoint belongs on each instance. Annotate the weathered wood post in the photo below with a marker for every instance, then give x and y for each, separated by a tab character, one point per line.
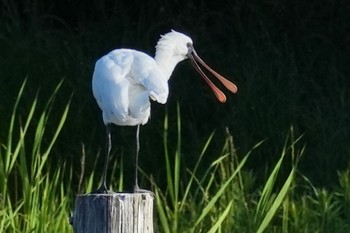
113	213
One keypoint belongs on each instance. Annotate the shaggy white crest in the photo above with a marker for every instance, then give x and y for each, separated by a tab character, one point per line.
171	49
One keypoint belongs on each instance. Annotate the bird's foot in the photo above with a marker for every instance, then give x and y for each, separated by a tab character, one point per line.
102	190
137	189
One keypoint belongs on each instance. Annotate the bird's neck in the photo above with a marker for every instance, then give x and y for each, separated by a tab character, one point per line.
166	60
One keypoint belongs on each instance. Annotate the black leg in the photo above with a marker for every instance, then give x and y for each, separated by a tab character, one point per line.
103	186
136	187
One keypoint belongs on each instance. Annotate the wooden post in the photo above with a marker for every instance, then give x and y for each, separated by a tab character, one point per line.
113	213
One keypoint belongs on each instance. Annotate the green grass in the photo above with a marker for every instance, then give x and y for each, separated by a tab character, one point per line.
290	63
32	198
225	198
36	194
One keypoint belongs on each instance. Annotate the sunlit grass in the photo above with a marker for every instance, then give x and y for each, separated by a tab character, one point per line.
34	193
223	198
284	78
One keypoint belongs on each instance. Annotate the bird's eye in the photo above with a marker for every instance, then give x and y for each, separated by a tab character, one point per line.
189	48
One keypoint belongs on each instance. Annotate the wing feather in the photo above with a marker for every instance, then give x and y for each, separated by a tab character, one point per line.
145	71
123	81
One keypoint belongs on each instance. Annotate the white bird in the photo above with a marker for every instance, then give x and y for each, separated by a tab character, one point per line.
125	80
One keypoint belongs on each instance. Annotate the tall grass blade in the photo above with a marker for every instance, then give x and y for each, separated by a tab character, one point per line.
221	218
169	175
266	193
193	172
39	198
162	212
219	193
276	203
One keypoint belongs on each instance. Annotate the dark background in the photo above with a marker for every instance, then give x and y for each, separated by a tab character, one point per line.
289	59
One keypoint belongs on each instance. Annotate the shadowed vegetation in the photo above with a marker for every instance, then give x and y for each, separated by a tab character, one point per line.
289	60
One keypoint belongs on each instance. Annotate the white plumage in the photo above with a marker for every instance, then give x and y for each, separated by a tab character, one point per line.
125	80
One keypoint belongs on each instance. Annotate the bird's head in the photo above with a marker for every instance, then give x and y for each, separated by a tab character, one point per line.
184	48
180	48
175	44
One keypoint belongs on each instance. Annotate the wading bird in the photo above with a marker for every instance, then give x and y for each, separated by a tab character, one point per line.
125	80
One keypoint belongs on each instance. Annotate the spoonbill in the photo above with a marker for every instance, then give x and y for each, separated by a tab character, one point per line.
125	80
